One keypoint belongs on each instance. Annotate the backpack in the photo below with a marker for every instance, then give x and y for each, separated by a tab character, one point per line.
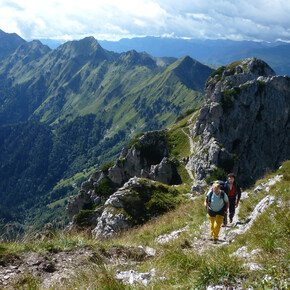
222	184
222	193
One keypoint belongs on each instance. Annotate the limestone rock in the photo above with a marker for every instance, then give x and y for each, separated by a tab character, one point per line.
121	208
147	158
244	125
128	206
260	208
132	277
109	223
172	236
78	202
165	172
149	150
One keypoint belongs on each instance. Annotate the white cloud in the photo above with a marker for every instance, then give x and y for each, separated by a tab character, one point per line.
113	19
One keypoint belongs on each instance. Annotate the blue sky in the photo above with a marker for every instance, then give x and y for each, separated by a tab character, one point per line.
114	19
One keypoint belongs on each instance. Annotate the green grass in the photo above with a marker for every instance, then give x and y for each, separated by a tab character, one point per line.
182	266
178	141
60	202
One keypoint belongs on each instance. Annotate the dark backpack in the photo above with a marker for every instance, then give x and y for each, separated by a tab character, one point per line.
211	193
222	184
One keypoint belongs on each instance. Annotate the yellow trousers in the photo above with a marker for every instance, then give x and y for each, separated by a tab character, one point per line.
215	225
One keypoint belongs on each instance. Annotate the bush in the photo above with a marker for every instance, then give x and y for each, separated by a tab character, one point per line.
162	200
83	218
217	174
106	167
105	187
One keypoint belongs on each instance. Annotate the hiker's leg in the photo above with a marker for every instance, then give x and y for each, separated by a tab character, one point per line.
212	221
217	225
232	207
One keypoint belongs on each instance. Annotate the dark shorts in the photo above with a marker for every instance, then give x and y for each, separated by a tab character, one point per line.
214	213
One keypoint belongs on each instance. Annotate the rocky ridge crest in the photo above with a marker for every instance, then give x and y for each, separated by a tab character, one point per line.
244	125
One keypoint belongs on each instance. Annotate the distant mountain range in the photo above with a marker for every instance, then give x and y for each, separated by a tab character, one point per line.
213	52
70	110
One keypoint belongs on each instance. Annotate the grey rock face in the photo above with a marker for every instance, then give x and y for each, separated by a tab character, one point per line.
129	206
147	158
109	223
244	125
78	202
164	172
122	209
150	149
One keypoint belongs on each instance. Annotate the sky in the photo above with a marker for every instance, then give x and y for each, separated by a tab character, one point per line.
258	20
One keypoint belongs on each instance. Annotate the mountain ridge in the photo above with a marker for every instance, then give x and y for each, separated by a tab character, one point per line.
90	102
10	41
214	52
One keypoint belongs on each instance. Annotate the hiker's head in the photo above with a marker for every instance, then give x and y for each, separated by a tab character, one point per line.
231	178
216	187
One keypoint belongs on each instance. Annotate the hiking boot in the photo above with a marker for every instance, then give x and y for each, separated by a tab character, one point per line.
223	225
231	220
215	241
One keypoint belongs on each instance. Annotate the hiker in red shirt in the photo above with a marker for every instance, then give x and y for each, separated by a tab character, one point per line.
234	193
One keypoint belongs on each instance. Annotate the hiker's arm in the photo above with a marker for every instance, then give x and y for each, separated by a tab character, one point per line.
239	196
206	202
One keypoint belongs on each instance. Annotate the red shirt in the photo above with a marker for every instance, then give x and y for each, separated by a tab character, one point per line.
232	192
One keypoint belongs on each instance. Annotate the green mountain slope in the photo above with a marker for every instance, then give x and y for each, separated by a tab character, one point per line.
9	42
79	105
251	253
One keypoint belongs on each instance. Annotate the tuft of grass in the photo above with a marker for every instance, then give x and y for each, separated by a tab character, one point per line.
96	276
27	281
218	270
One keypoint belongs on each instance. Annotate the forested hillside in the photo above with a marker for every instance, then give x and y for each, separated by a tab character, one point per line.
69	111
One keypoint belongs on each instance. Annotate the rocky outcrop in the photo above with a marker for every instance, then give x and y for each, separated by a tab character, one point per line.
133	204
110	201
148	151
244	125
123	209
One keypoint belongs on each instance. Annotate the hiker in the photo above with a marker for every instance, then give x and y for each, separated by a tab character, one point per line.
233	192
217	204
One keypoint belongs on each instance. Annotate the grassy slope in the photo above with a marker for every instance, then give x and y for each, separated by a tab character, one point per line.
183	266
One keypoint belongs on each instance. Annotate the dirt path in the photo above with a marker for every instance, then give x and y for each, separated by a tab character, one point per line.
204	242
190	141
49	269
